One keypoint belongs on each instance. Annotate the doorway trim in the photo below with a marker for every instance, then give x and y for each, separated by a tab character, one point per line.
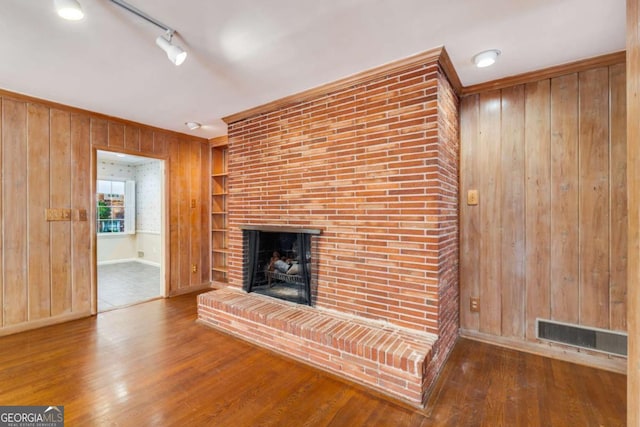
164	220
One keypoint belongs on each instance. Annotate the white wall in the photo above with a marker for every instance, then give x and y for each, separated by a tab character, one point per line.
148	247
117	247
110	169
148	184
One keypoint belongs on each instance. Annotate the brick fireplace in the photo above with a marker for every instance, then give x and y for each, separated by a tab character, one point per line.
372	161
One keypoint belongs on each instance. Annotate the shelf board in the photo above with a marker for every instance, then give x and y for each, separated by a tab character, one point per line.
220	194
221	250
219	174
220	230
220	268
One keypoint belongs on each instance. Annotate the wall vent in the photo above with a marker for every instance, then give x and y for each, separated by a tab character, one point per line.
594	339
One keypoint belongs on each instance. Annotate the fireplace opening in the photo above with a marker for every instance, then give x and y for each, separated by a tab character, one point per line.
277	262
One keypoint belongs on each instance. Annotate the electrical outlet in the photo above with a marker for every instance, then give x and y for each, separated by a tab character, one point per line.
474	304
193	203
194	268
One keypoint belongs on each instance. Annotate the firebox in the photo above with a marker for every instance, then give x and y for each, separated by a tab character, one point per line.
277	261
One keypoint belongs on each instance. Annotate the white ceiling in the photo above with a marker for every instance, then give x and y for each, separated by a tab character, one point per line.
244	53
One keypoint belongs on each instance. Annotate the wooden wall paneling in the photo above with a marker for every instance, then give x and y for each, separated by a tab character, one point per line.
512	207
633	194
46	154
60	198
194	212
490	213
594	197
81	198
146	141
618	198
205	213
469	215
38	175
184	208
14	210
132	138
99	139
575	203
93	214
116	135
1	218
174	216
161	146
564	199
99	133
538	189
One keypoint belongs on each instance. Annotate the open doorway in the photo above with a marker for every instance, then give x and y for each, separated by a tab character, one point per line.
129	228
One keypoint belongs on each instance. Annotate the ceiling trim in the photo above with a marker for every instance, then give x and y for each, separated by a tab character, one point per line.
450	71
55	105
435	54
219	141
547	73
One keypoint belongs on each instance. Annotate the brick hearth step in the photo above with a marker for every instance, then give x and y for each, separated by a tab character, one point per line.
387	358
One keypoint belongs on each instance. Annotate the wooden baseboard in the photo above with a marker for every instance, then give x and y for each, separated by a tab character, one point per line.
191	289
617	364
217	284
40	323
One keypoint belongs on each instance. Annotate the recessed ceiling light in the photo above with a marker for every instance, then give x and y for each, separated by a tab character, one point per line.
121	155
486	58
193	125
69	9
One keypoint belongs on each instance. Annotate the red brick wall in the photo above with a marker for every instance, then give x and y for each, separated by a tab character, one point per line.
375	166
448	284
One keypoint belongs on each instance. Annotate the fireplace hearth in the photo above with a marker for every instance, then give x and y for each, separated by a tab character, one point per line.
277	262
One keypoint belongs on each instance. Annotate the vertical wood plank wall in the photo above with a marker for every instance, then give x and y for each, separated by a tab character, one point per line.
548	237
45	155
633	191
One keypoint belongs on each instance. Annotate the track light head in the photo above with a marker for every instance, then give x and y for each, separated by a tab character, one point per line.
175	53
69	9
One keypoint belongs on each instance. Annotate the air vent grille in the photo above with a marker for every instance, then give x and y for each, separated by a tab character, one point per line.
583	337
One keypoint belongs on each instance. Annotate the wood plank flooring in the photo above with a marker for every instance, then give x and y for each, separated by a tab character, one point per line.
152	365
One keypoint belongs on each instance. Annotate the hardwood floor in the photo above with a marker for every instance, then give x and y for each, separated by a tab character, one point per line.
152	365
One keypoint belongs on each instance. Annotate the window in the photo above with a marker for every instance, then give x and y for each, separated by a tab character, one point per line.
116	206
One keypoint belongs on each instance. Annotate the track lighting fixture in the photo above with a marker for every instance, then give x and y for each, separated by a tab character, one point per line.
69	9
174	52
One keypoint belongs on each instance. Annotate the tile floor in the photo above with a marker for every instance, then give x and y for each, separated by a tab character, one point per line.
126	283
